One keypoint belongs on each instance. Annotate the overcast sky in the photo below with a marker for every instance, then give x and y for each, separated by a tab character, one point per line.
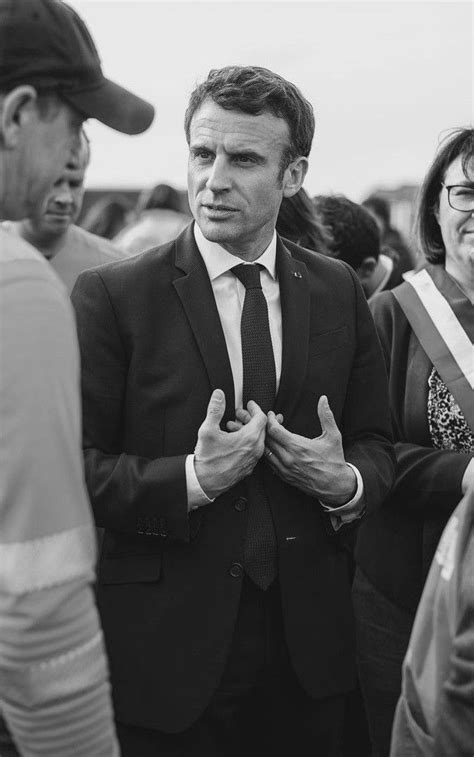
386	80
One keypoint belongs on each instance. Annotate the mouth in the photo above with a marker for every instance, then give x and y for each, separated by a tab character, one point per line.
58	216
219	210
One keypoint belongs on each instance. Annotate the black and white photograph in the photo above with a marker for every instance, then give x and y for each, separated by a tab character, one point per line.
236	378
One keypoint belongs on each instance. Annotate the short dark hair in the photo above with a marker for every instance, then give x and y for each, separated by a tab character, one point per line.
355	233
254	90
457	142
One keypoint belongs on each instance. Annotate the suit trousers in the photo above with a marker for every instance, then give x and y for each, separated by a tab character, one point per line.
259	707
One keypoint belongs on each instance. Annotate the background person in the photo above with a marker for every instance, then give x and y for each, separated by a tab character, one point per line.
434	716
52	228
299	221
356	240
159	219
392	241
54	690
222	585
426	329
108	216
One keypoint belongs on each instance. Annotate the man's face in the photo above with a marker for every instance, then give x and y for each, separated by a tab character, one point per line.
45	145
63	204
234	182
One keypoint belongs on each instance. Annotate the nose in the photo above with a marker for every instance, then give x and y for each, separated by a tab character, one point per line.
219	177
64	196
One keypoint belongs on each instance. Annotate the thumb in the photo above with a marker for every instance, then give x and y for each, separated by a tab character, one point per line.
326	417
216	407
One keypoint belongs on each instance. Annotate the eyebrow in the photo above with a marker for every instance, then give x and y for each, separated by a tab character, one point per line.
232	153
466	183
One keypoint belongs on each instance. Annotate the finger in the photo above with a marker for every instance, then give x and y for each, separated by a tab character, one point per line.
242	415
326	417
234	426
276	432
272	459
279	418
254	409
258	419
216	408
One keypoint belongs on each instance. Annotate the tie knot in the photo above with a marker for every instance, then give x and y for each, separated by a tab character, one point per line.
248	274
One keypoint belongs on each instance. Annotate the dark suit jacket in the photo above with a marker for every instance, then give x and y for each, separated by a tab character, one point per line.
152	351
395	546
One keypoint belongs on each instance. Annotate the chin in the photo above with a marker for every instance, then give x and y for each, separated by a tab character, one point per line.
216	232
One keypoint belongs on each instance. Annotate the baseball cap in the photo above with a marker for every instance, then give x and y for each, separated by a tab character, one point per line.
46	44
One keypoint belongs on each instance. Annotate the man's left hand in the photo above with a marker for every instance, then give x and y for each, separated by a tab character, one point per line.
316	466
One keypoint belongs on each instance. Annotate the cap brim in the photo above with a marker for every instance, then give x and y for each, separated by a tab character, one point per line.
114	106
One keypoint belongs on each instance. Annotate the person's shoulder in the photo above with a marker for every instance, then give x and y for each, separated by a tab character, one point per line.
141	266
22	263
316	261
386	309
104	249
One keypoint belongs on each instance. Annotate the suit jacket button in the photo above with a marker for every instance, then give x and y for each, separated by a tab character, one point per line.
236	570
240	504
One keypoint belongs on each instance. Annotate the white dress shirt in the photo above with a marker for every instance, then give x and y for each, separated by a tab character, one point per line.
229	293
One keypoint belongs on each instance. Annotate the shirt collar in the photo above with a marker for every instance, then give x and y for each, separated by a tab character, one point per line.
219	261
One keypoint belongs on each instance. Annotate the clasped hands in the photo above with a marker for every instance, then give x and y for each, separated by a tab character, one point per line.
315	466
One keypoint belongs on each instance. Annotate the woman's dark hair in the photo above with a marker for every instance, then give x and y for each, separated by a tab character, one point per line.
298	221
458	142
107	216
160	196
254	90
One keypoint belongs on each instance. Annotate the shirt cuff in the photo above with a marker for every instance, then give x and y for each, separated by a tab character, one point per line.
196	496
352	510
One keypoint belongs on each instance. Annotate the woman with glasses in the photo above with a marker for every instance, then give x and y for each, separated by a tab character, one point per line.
426	326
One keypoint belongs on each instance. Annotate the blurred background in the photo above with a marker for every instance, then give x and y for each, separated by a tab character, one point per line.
387	80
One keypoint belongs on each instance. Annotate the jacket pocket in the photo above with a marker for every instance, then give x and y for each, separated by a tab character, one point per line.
130	569
328	341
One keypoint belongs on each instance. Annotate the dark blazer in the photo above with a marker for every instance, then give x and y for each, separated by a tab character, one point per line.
395	546
168	583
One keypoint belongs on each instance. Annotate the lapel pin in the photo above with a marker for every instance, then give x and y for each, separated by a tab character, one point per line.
297	275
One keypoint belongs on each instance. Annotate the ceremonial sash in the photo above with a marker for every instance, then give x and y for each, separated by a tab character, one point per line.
443	320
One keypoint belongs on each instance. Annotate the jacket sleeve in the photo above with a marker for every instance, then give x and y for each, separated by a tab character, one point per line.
454	722
426	477
129	493
54	689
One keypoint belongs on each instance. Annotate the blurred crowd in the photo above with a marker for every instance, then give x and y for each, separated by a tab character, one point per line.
342	610
333	225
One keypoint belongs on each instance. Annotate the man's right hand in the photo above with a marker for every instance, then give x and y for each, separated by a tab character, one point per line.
222	459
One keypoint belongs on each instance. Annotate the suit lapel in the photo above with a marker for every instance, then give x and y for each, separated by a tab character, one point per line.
195	292
295	311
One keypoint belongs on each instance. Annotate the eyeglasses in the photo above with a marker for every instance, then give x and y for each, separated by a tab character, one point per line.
461	197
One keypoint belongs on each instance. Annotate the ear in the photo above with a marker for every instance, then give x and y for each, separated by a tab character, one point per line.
366	268
294	176
16	112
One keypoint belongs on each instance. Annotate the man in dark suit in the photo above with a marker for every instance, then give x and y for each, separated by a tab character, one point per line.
213	394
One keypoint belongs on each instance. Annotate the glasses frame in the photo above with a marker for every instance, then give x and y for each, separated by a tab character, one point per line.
449	187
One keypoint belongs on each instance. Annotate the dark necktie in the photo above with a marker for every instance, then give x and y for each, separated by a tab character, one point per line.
259	384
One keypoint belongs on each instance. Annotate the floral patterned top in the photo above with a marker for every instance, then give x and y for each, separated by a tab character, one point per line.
448	427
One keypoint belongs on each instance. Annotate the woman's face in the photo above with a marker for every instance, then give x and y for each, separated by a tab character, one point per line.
457	226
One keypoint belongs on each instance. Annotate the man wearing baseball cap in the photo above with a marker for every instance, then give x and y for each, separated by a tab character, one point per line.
54	689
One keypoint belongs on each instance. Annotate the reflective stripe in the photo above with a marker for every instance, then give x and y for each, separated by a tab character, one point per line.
445	322
49	561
